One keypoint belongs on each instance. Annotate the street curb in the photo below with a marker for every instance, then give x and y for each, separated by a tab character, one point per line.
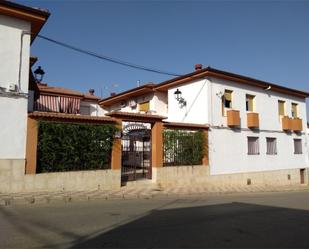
46	198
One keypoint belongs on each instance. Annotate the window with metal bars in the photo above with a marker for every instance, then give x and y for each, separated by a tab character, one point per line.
253	146
297	146
271	146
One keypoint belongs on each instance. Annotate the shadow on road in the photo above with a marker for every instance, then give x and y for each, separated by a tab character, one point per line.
226	225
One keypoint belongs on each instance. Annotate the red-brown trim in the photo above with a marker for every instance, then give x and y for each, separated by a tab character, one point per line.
211	72
189	126
36	17
127	94
64	117
129	116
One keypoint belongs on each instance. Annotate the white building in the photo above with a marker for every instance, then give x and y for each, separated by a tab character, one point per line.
19	26
257	130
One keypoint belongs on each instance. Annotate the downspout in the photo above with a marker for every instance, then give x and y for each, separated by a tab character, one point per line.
20	57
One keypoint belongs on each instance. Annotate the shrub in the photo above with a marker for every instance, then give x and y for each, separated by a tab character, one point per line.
70	147
183	147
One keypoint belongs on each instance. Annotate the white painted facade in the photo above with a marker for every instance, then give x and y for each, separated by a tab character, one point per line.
91	108
157	104
14	71
228	148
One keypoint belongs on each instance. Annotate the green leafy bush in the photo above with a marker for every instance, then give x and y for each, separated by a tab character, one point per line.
183	147
70	147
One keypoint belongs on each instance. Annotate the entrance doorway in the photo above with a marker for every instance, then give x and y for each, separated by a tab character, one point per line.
136	151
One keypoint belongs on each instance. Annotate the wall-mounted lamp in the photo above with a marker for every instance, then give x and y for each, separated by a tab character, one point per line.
178	96
39	74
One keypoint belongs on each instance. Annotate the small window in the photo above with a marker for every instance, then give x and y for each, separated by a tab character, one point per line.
144	107
85	110
281	108
249	102
228	99
297	146
271	144
294	110
253	146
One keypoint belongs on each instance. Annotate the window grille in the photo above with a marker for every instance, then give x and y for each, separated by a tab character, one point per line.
271	144
253	146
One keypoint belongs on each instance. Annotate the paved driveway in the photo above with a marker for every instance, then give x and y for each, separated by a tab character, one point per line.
242	221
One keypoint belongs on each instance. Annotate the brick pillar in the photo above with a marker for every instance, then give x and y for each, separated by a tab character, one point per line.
117	150
31	146
206	156
157	144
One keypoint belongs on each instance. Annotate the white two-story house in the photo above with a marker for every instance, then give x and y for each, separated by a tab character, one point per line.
257	130
19	25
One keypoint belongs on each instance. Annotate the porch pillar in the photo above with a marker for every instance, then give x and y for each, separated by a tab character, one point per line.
157	144
31	146
116	149
206	155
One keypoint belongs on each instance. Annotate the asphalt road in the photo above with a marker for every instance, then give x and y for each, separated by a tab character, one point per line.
270	220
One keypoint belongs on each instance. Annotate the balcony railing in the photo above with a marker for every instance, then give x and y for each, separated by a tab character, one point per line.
233	118
286	123
253	120
297	124
47	103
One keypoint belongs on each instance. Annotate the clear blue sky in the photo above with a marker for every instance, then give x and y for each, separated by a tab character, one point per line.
267	40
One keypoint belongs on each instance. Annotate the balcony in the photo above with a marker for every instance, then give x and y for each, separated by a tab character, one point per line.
233	118
297	125
286	123
253	120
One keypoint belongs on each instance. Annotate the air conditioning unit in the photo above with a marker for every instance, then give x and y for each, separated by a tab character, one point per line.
132	103
123	103
13	87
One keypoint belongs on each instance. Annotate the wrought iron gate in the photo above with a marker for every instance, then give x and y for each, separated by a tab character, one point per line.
136	154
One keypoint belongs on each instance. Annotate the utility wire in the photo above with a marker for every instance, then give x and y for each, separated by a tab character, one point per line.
103	57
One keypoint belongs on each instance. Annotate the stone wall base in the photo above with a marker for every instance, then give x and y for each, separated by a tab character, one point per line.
14	180
200	175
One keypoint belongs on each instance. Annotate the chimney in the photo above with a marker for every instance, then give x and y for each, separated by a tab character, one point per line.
198	66
113	94
91	91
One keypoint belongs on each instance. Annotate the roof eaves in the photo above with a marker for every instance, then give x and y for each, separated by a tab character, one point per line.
127	93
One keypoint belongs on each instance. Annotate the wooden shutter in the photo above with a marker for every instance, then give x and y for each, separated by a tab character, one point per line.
294	110
144	107
249	99
281	107
228	95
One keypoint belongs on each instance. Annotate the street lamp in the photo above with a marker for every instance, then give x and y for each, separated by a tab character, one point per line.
178	96
39	74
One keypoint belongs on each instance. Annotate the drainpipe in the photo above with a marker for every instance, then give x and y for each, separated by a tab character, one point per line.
20	57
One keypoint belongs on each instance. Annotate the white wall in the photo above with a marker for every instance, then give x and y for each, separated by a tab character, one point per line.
94	108
228	152
10	40
228	147
159	103
265	103
124	106
13	108
196	109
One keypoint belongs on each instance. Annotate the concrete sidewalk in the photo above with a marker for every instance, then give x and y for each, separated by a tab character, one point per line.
131	192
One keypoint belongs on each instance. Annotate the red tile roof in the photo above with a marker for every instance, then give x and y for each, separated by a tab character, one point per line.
53	90
70	117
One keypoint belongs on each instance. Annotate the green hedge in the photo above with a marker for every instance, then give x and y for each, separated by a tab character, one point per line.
70	147
183	147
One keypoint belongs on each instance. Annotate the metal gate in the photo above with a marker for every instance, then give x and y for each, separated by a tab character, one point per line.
136	153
